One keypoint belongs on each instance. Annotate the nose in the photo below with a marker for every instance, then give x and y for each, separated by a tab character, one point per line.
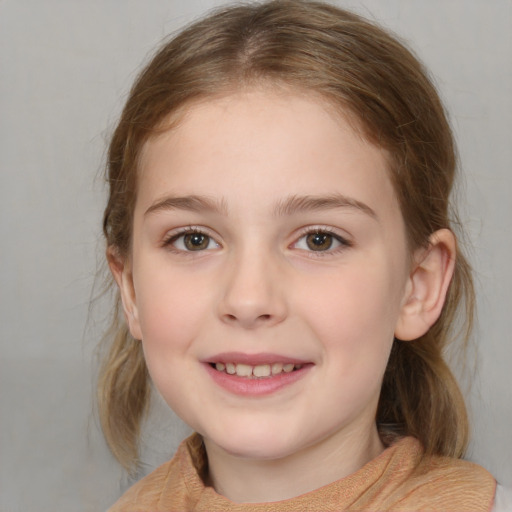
253	295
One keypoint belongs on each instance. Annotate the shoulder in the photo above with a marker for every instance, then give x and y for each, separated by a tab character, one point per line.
464	471
417	481
146	493
444	483
172	486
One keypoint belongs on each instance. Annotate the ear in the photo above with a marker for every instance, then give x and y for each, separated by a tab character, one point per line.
122	273
427	286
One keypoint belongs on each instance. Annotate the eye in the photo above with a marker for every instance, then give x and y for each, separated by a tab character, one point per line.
191	241
320	241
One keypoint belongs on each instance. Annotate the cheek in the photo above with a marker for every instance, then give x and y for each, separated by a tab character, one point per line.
171	308
172	312
365	293
354	312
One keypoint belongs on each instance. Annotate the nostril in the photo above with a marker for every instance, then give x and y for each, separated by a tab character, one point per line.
260	318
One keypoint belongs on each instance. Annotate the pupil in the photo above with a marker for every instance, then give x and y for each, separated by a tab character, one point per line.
319	241
196	241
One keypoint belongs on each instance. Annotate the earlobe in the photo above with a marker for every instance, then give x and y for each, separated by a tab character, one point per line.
121	271
427	286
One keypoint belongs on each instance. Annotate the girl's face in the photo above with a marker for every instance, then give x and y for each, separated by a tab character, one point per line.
268	273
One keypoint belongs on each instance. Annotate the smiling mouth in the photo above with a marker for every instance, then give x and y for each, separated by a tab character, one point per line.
260	371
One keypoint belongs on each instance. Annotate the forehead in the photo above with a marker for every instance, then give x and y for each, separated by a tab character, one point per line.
264	141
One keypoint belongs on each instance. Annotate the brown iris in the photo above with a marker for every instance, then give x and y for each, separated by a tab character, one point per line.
319	241
196	241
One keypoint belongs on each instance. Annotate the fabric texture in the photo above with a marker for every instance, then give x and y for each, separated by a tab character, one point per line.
393	481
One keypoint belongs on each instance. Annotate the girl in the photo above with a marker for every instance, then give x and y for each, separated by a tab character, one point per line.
279	229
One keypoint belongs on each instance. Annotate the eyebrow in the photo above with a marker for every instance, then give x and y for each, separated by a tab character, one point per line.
289	206
191	203
295	204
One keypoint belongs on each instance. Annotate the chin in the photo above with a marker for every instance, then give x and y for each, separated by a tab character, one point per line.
255	443
257	450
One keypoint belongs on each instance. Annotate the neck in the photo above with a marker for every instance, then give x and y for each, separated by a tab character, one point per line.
245	480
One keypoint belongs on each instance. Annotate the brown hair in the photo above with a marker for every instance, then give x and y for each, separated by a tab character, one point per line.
359	68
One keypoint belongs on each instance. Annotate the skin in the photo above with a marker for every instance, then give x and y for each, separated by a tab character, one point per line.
257	286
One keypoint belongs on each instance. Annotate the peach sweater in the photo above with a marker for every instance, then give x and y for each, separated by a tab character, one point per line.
389	482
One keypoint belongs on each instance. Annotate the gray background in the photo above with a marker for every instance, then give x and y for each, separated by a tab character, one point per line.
65	68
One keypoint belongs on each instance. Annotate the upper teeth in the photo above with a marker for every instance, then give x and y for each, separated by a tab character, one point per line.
260	370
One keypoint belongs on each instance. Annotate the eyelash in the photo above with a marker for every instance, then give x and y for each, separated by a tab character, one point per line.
344	244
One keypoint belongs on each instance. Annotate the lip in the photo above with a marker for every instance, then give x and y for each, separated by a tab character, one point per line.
255	387
253	359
